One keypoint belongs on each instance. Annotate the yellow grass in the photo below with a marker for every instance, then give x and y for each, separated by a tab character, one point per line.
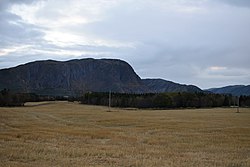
70	134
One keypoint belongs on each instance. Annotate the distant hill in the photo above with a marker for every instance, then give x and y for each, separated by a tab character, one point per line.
235	90
160	85
75	77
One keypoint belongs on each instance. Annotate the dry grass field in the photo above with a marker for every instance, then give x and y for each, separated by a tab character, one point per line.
71	134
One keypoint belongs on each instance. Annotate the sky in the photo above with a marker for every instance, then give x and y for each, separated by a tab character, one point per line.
201	42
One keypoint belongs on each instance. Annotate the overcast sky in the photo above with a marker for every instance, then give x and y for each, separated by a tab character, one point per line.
200	42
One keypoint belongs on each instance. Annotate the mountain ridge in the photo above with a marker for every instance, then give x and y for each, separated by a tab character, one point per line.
77	76
160	85
236	90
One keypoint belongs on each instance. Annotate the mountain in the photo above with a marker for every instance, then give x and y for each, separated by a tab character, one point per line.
160	85
78	76
70	77
235	90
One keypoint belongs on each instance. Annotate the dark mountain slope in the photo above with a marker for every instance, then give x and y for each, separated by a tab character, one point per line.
72	77
75	77
235	90
160	85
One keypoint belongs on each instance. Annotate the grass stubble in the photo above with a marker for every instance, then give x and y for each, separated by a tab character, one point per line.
71	134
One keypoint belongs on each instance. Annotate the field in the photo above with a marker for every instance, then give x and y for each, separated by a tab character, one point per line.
71	134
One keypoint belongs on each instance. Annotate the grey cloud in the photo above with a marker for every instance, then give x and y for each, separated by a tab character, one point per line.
240	3
14	31
5	4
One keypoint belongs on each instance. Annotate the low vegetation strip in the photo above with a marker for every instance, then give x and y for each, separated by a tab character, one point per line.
71	134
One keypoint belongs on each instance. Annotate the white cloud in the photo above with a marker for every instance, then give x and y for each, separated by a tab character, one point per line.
13	49
217	68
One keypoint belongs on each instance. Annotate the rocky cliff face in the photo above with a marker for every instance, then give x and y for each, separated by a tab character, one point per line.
72	77
75	77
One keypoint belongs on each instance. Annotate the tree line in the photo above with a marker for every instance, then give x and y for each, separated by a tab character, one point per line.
165	100
125	100
12	99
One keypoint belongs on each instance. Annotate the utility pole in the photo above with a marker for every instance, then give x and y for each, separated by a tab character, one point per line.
238	102
109	101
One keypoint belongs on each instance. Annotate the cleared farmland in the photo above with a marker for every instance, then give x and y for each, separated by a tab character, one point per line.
71	134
